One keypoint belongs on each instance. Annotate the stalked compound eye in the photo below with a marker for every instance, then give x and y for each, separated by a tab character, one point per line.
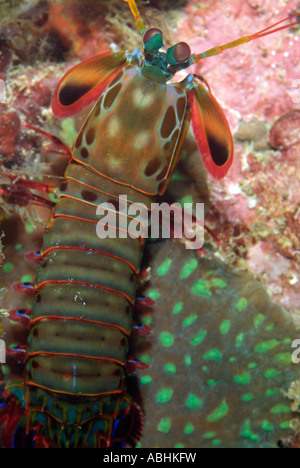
179	53
150	33
153	40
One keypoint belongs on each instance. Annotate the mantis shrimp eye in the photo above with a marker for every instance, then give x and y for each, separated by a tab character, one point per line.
150	33
181	52
178	53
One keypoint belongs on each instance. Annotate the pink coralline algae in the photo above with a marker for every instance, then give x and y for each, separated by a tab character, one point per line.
254	209
253	80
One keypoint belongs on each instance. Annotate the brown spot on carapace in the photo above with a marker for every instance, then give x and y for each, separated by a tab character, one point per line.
90	135
78	140
152	166
168	123
167	146
115	203
116	373
38	298
162	174
180	106
44	264
34	365
117	78
35	332
84	153
88	195
112	95
97	109
127	310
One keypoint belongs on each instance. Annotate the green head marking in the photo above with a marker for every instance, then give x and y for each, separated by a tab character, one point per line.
161	66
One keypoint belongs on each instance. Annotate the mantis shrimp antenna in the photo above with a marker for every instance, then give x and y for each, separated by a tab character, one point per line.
242	40
137	17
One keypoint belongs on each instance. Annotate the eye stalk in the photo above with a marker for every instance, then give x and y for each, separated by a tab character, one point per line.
153	40
178	53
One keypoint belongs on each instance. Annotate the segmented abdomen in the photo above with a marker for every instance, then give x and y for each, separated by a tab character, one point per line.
81	318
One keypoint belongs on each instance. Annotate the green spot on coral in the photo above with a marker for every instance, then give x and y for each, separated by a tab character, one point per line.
287	341
219	412
271	391
258	319
243	378
252	365
18	246
278	409
218	282
247	397
153	294
197	339
7	267
232	359
26	279
265	346
164	395
271	373
285	425
188	268
179	445
283	358
189	428
146	379
186	199
188	360
145	358
209	435
164	267
267	426
164	425
246	431
193	401
166	339
224	327
146	319
239	340
189	320
211	383
270	327
213	354
217	442
29	227
241	304
170	368
177	307
200	288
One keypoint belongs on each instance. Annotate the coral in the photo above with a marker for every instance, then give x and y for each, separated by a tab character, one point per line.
220	356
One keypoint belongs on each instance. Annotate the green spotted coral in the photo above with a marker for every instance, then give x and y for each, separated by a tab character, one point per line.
220	356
